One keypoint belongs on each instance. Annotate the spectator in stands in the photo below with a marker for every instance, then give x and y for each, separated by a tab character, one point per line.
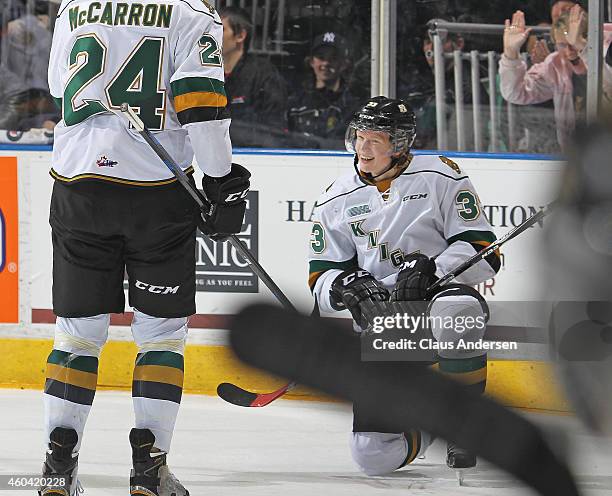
558	7
421	95
325	103
25	101
256	92
426	109
539	47
561	77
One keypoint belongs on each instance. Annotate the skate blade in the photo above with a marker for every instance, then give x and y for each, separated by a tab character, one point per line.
461	473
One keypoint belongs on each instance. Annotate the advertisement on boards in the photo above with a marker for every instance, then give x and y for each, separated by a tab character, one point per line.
9	224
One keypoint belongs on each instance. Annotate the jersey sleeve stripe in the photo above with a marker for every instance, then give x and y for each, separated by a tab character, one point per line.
58	102
473	237
199	99
318	267
202	114
312	278
196	85
480	240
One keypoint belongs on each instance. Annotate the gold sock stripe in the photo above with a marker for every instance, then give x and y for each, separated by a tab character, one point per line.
159	373
87	380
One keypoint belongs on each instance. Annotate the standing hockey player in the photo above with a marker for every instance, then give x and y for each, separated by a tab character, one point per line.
116	208
387	231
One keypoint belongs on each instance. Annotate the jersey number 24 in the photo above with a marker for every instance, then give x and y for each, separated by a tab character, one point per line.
137	82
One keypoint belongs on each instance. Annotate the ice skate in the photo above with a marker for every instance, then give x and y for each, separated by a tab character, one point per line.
460	460
60	466
150	475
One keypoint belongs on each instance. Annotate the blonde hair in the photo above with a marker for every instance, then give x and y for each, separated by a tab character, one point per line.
562	25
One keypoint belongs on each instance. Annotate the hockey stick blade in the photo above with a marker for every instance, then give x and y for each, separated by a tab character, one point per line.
241	397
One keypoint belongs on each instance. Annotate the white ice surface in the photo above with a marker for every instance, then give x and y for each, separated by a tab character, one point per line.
289	448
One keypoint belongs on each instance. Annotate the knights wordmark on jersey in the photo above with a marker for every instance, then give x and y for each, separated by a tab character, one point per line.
431	208
164	60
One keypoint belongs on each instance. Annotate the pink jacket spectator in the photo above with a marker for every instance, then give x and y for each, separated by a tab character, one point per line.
551	79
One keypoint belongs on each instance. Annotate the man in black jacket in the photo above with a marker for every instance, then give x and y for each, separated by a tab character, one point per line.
256	92
325	103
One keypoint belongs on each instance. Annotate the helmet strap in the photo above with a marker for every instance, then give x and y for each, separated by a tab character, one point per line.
401	162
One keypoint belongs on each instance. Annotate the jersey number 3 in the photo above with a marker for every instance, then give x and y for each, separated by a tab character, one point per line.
467	205
136	82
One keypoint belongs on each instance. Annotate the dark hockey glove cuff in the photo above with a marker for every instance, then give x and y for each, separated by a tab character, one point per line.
222	221
229	189
416	274
355	290
227	195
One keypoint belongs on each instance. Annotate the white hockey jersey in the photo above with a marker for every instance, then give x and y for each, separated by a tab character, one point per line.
431	208
162	57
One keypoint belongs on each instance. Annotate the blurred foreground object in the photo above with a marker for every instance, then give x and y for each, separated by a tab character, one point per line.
579	258
403	395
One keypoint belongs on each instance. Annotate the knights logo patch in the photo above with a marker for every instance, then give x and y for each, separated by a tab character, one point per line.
450	163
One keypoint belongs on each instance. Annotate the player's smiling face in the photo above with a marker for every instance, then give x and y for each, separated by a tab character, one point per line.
373	151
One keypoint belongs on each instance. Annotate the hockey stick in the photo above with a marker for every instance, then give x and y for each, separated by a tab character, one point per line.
372	310
487	250
228	392
239	396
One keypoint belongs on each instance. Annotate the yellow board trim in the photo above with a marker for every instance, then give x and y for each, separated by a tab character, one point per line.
75	377
159	373
522	384
199	99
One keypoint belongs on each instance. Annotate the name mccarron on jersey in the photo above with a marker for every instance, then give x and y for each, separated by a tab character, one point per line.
121	14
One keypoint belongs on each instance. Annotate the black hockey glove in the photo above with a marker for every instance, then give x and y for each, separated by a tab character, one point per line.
227	195
354	289
416	274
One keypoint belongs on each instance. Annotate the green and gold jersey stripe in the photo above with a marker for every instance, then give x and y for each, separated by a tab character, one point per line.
197	85
473	237
480	240
158	373
318	267
199	99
